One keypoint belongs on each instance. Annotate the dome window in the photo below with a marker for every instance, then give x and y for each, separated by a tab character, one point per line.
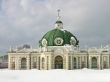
73	41
58	41
44	42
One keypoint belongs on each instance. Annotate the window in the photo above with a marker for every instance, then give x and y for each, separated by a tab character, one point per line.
94	62
83	64
74	63
79	64
104	64
13	65
58	62
43	63
23	63
34	64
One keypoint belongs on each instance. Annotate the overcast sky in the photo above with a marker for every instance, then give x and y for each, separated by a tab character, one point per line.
26	21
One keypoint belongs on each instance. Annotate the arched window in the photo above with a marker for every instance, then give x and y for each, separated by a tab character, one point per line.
58	62
74	63
23	63
94	62
43	63
104	64
34	65
83	65
13	65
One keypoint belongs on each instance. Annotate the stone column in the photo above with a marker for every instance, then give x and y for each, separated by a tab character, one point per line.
51	62
16	63
40	62
37	62
86	61
89	62
28	62
71	62
101	62
66	62
98	62
9	61
77	61
108	62
19	63
46	64
80	61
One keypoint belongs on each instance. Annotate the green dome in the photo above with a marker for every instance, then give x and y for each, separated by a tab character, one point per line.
58	37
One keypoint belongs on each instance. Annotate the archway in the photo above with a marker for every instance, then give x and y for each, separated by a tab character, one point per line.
74	63
104	64
58	62
23	63
13	65
43	63
94	62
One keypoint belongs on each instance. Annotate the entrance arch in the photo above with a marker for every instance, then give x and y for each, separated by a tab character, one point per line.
23	63
58	62
13	65
94	62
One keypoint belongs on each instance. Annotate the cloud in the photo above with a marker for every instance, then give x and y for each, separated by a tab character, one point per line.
26	21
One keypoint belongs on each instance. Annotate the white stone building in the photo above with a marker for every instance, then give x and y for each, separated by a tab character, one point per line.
58	49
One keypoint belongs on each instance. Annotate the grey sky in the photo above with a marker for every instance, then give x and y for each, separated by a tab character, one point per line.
26	21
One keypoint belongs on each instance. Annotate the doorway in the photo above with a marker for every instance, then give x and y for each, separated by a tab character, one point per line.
58	62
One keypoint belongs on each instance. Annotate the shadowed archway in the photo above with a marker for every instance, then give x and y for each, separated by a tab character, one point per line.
94	62
23	63
58	62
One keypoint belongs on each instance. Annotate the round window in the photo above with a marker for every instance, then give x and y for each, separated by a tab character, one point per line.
44	42
73	41
58	41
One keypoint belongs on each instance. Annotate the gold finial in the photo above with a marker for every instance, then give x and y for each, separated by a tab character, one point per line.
58	14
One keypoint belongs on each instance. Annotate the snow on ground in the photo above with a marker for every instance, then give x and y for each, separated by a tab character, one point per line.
84	75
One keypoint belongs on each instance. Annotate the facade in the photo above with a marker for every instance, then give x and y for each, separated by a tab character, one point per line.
58	49
4	61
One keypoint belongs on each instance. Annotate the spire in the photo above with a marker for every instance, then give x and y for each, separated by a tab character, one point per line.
58	18
59	23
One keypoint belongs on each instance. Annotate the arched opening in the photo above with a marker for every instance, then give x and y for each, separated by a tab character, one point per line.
83	65
43	63
13	65
58	62
23	63
74	63
34	64
104	64
94	62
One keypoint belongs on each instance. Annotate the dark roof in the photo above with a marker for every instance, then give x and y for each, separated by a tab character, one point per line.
58	21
